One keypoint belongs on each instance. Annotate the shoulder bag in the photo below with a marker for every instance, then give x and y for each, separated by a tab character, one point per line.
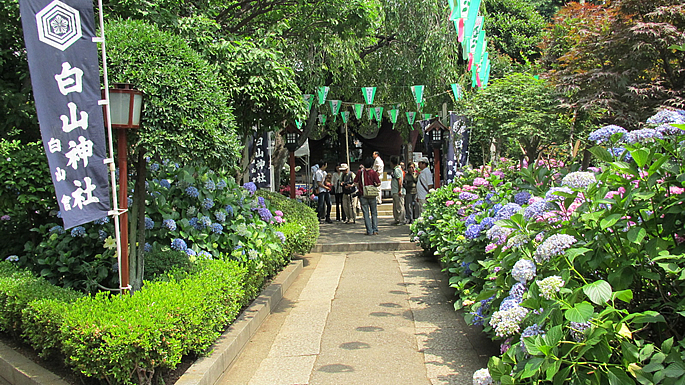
370	191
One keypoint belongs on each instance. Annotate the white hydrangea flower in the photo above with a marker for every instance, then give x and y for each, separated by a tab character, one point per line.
523	270
482	377
550	286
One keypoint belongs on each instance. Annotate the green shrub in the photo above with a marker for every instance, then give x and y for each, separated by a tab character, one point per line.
116	337
159	263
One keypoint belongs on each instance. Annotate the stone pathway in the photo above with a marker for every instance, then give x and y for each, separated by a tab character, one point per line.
364	317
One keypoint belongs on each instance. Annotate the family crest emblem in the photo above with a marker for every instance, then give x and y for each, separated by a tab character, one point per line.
59	25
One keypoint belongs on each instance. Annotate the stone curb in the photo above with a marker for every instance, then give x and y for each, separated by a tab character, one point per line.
207	370
19	370
377	246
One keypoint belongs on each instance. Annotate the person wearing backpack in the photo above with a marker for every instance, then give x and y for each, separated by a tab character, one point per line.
368	183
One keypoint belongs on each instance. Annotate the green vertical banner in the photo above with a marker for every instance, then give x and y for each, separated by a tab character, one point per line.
474	81
393	115
369	93
427	116
369	112
417	91
335	106
322	92
457	91
411	117
322	118
358	110
480	47
378	113
345	116
298	123
474	7
308	100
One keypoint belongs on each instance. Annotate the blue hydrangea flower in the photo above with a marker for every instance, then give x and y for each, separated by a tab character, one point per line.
509	303
487	222
220	216
78	231
208	203
524	270
530	331
101	221
250	187
553	246
149	223
261	201
488	198
667	129
281	236
229	209
165	183
194	223
59	214
496	208
169	224
578	330
205	254
479	314
507	211
57	229
473	231
643	136
147	247
617	152
221	185
191	252
179	244
467	268
517	291
522	198
668	116
154	167
217	228
535	210
12	258
265	214
192	192
604	134
210	185
102	234
517	240
470	220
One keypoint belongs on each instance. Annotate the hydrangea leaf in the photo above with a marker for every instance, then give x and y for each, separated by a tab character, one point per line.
580	312
641	156
602	154
599	292
623	295
637	234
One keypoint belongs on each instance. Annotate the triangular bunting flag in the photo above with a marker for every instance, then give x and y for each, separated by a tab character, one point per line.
322	92
417	91
308	100
345	116
427	116
298	123
457	91
393	115
369	93
335	106
411	117
369	112
378	113
358	109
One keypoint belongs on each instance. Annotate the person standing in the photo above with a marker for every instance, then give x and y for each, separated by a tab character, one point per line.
338	194
348	188
324	193
368	177
423	185
397	191
410	192
379	167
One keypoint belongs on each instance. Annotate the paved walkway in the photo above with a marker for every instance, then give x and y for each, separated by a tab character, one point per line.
355	316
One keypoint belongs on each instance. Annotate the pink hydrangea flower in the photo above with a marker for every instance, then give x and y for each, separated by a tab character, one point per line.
489	248
675	190
480	182
449	203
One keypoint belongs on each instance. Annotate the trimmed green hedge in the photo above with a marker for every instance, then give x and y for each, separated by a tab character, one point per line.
302	227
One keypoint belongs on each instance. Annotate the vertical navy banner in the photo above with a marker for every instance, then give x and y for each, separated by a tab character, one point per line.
65	74
259	168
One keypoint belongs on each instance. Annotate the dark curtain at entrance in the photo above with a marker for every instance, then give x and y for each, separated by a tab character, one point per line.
388	142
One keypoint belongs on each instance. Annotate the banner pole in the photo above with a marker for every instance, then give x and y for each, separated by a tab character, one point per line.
347	147
123	270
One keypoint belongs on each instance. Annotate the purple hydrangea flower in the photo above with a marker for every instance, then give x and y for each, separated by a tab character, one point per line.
535	210
179	244
522	198
467	196
604	134
507	211
620	153
229	209
552	195
470	220
147	247
643	136
221	185
265	214
668	116
280	236
473	231
487	222
250	187
57	229
667	129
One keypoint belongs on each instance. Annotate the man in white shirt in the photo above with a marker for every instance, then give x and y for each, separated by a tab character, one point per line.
324	197
423	185
378	166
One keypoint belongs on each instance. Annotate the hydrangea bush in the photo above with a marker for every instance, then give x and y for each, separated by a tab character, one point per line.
585	281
